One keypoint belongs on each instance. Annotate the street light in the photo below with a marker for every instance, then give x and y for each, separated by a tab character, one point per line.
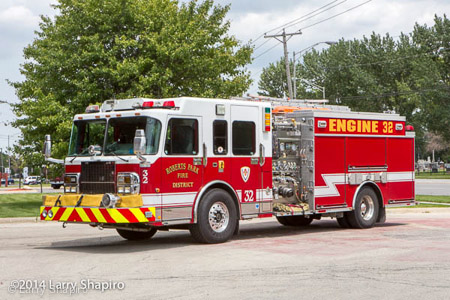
294	59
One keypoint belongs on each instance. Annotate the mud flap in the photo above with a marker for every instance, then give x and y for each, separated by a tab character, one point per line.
381	215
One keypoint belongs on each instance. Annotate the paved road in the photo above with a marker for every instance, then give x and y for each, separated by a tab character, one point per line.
406	258
433	187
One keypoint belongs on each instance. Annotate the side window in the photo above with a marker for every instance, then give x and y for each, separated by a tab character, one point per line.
182	137
220	136
243	138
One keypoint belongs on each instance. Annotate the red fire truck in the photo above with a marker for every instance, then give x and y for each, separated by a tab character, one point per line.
142	165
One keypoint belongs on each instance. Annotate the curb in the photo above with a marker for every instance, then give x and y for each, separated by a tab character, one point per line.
19	220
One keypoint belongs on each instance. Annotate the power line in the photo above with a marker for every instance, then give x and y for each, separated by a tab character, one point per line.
336	15
316	14
324	20
268	50
304	16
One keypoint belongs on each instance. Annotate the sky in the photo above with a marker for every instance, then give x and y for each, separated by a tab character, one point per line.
19	19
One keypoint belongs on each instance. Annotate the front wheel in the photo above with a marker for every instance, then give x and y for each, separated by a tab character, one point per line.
366	209
216	218
136	235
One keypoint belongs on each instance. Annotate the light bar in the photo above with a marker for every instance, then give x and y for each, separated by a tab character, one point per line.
148	104
92	109
169	103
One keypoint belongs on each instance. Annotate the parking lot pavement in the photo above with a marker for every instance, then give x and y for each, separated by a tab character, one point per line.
405	258
437	187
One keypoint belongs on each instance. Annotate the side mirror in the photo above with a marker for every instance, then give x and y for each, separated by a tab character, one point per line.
139	142
47	146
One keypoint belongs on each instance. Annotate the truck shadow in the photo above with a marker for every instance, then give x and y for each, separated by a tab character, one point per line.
113	243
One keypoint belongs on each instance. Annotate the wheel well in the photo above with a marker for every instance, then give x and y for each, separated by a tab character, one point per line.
376	190
226	188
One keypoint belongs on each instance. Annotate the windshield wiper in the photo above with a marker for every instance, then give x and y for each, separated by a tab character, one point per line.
123	159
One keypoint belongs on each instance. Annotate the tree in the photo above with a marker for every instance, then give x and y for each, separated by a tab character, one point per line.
95	50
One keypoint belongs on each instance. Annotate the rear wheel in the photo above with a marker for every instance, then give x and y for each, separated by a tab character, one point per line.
366	209
216	218
136	235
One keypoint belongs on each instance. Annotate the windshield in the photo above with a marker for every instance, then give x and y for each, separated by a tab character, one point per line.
86	133
119	135
121	132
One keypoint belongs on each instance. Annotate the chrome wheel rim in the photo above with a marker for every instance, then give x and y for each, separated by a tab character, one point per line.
367	207
219	217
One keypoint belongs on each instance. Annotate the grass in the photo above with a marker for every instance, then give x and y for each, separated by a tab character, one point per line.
20	205
428	175
437	199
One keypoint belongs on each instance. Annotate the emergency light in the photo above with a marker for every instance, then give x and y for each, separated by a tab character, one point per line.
156	104
92	109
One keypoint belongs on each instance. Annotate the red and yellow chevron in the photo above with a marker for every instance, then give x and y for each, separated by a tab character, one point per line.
99	215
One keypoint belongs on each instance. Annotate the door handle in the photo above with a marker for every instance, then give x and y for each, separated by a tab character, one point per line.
262	158
205	155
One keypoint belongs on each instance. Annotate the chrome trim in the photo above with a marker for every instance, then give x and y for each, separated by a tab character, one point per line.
200	195
359	188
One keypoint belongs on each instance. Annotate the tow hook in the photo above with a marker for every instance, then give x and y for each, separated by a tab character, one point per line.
64	225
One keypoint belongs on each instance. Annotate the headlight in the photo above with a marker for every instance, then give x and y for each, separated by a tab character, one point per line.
71	183
50	214
128	183
44	214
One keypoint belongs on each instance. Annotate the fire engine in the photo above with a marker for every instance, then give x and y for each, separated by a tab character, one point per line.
142	165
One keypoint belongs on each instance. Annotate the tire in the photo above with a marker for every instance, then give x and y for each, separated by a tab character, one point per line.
136	235
297	221
343	222
365	212
283	221
216	218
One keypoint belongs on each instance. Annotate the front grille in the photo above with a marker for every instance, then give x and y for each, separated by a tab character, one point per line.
97	178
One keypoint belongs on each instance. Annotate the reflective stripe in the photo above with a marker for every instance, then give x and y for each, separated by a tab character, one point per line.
117	216
66	214
138	214
98	215
84	217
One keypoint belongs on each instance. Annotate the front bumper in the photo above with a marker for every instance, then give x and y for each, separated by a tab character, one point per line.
64	208
98	215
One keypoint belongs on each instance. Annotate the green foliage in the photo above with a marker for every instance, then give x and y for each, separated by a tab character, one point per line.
95	50
409	75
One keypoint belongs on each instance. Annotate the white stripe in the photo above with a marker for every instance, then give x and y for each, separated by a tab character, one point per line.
400	176
331	180
178	198
330	190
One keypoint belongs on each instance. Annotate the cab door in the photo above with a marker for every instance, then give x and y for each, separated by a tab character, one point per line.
246	171
182	166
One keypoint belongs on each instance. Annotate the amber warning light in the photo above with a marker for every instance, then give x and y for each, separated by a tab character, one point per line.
267	119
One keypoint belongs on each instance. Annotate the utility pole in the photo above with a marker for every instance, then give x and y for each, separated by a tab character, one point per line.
285	38
9	157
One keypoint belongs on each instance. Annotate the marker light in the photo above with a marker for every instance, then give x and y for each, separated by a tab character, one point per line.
409	128
267	119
